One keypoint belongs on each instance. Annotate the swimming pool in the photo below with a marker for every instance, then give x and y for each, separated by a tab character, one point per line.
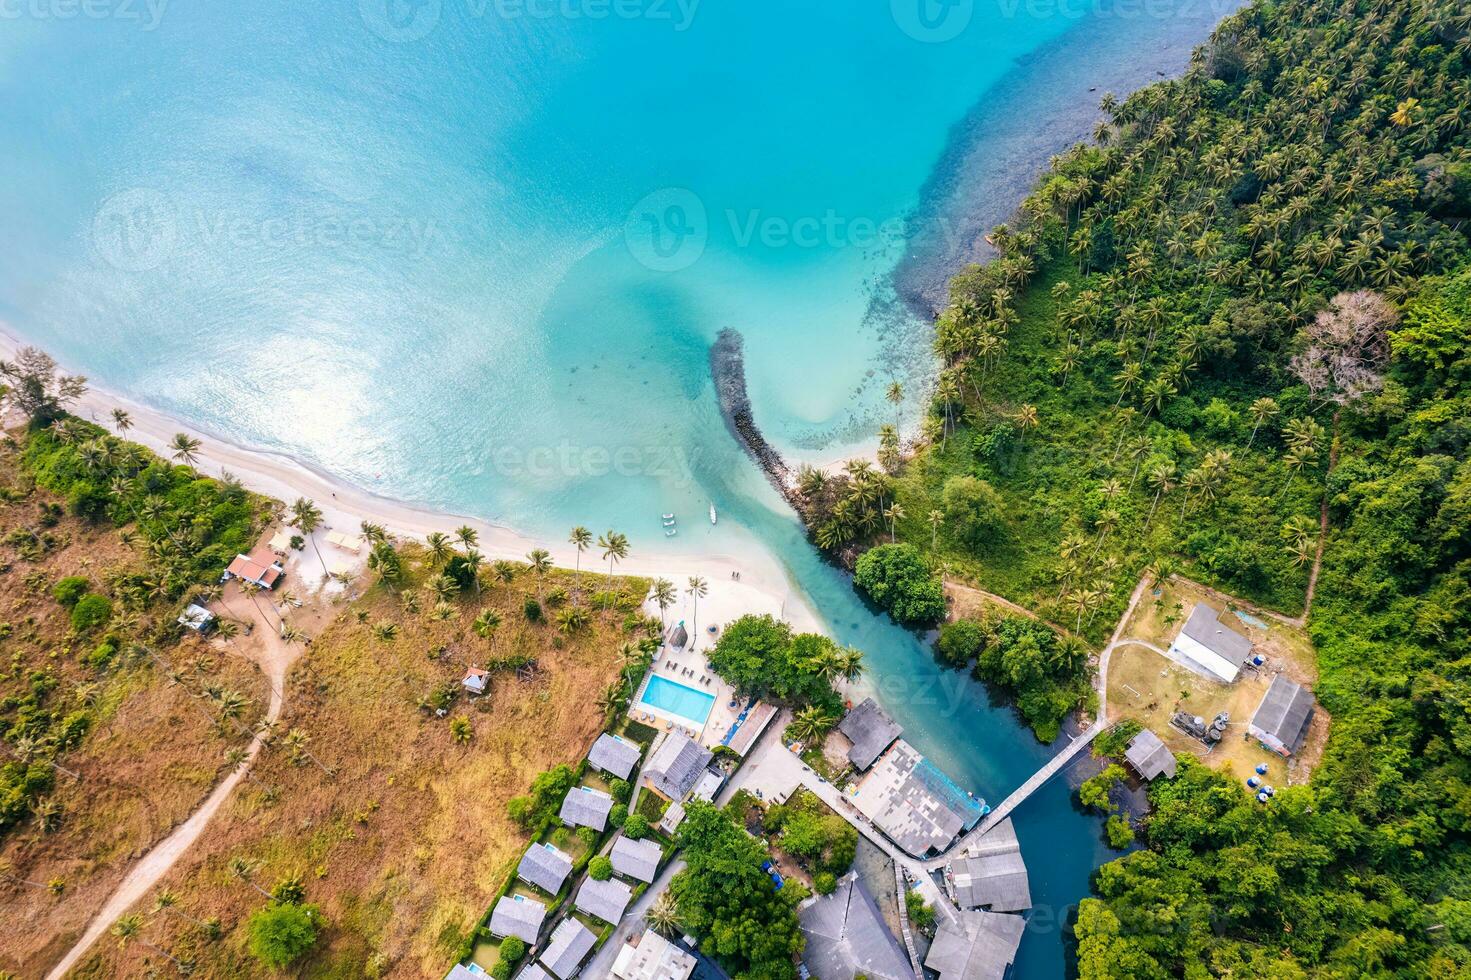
668	696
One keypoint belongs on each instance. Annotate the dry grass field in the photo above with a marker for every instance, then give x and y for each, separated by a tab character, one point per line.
153	751
406	842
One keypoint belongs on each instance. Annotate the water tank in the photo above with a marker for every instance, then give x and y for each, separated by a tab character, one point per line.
1253	782
1257	661
1269	791
1262	797
1261	770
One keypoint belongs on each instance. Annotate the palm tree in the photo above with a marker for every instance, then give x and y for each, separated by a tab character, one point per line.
473	562
849	662
8	873
698	589
486	624
1162	478
122	420
663	915
186	448
811	724
307	517
437	548
296	742
895	395
467	535
894	513
615	549
936	518
540	561
167	902
130	928
1261	410
664	597
245	870
581	539
252	592
1026	419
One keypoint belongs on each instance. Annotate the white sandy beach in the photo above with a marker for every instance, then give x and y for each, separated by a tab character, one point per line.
763	585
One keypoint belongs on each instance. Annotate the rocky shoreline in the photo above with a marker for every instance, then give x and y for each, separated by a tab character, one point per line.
728	370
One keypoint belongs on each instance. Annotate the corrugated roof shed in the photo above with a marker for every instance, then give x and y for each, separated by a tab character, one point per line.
604	899
570	943
636	858
871	731
546	867
1282	719
993	873
983	949
1209	646
614	756
1149	757
846	936
676	764
517	915
533	971
586	807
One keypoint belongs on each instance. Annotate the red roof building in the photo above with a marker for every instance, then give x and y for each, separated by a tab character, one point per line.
257	571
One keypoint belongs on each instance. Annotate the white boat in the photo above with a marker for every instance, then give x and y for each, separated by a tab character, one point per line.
669	517
712	512
670	533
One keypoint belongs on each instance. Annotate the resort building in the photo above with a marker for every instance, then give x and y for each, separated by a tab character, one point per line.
981	946
673	817
586	807
476	681
992	873
748	727
1282	719
519	916
604	900
870	731
264	571
1149	757
638	859
614	756
570	943
1209	647
916	805
846	937
652	957
675	766
532	971
545	866
197	618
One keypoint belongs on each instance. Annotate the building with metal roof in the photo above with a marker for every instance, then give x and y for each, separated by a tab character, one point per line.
614	756
913	803
1282	719
519	916
636	858
675	766
605	900
570	943
586	807
545	866
992	873
847	937
870	730
1209	647
532	971
1149	757
981	946
652	957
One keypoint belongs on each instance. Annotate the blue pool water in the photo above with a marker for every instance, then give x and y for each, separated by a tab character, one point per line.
472	255
677	699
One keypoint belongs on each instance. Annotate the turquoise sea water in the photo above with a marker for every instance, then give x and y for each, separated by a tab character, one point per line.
472	254
684	701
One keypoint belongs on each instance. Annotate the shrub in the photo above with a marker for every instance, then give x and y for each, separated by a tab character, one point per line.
896	578
617	816
501	970
588	836
280	934
972	509
70	589
621	790
531	609
824	883
512	948
961	641
600	868
1118	831
90	612
1096	791
921	914
102	654
636	827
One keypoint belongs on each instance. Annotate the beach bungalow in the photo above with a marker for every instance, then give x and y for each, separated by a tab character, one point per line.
519	916
650	956
981	946
847	937
870	731
676	765
280	542
545	867
570	943
637	859
476	681
586	807
1282	719
1209	647
605	900
197	618
678	637
1149	757
992	873
262	571
614	756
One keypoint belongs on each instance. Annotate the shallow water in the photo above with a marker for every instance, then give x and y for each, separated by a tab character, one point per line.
471	256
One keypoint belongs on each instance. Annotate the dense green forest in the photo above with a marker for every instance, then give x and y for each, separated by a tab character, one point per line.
1242	313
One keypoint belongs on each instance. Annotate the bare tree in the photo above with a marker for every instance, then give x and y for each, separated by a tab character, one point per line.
1347	347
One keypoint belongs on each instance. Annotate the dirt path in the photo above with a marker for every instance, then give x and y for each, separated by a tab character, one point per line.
274	657
960	589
